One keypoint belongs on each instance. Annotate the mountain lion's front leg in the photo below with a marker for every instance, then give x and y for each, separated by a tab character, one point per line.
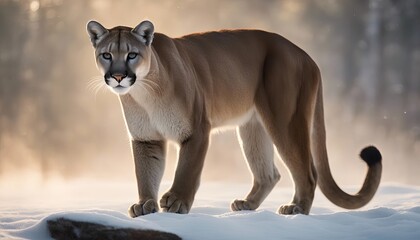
149	160
180	197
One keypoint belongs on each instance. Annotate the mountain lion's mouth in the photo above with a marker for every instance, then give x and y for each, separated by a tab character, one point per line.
120	90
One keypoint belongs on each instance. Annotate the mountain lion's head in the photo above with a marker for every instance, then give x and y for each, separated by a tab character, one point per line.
122	54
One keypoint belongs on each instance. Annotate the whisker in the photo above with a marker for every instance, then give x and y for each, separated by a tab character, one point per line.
95	78
144	88
144	85
95	85
155	87
91	82
98	89
150	81
94	82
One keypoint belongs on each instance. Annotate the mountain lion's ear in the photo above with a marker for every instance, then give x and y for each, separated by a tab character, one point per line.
144	32
96	31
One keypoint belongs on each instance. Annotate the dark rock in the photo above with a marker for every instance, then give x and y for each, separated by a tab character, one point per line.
65	229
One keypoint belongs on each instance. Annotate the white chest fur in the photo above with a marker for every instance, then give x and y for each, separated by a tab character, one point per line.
154	121
137	121
169	121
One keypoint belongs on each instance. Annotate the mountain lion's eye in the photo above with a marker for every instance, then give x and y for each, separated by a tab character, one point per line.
107	56
132	55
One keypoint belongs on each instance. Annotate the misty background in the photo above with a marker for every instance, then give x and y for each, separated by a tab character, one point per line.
53	124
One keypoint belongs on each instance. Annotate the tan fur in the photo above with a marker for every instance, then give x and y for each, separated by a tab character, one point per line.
187	86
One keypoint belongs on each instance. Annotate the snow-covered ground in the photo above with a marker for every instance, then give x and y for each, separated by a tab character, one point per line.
393	214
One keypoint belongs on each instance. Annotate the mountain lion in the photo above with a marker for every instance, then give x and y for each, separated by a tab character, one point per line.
180	89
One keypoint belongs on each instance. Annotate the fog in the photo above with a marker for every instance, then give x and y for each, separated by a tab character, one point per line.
54	124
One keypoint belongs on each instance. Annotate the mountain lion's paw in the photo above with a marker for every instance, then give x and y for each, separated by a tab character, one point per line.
291	209
239	205
143	208
173	203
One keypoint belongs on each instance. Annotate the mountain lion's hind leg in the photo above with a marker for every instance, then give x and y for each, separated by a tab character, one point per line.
295	152
293	145
285	103
149	161
258	149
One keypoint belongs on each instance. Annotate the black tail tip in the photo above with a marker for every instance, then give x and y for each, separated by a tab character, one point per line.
371	155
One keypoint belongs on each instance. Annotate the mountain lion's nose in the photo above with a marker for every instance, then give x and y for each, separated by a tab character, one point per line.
119	77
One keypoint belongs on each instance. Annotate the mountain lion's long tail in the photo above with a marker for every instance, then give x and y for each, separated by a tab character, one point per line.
326	182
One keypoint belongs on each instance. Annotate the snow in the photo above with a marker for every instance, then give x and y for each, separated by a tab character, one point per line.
394	213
